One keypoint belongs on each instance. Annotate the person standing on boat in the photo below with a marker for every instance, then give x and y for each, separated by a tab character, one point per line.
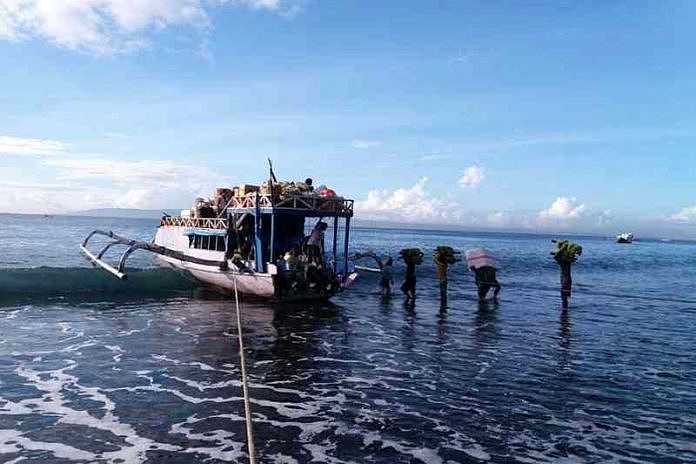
314	247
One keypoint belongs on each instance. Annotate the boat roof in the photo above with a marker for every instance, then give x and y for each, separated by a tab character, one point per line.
310	205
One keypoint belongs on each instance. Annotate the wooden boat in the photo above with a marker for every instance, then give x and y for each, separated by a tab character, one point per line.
243	246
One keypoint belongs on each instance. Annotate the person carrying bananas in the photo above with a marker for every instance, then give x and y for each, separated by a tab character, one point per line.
443	256
565	254
412	257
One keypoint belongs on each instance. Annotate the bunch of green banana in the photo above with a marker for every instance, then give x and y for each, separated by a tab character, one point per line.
446	254
566	251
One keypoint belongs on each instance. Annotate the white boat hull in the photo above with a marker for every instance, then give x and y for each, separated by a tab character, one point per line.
252	284
259	284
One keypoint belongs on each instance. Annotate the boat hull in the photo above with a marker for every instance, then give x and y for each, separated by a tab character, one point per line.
259	284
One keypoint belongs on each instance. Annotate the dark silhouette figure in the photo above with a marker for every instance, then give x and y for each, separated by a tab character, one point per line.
409	285
485	280
566	283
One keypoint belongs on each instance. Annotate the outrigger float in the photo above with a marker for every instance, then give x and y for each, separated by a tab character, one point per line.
255	236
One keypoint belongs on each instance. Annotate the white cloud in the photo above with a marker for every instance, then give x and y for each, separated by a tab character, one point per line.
685	215
365	144
123	172
107	26
30	147
562	209
433	157
414	204
41	197
140	184
98	183
472	178
81	182
498	219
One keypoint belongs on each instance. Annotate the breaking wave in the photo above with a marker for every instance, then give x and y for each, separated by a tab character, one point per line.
55	281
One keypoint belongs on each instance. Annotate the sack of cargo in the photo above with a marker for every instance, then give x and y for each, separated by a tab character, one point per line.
289	188
326	192
566	251
411	255
223	192
302	188
221	198
446	254
480	257
271	188
244	189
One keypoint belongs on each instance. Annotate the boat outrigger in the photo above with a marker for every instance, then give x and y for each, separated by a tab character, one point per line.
254	238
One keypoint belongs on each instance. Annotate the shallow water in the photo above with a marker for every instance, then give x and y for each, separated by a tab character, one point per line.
96	370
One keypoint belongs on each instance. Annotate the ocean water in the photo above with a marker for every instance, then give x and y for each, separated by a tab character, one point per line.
94	370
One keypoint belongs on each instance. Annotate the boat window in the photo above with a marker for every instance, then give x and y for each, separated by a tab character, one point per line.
207	242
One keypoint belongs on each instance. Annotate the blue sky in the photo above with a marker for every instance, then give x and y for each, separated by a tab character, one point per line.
546	115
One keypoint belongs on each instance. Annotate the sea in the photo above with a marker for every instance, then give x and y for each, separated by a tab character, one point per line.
147	370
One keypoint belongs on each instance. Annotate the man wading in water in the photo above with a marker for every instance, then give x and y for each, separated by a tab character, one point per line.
443	256
412	257
565	254
482	262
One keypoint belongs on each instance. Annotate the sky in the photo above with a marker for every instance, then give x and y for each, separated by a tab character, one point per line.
533	116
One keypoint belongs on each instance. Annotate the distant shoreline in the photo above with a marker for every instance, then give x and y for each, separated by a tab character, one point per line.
154	215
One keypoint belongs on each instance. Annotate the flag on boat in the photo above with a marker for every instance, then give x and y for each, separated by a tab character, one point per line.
480	257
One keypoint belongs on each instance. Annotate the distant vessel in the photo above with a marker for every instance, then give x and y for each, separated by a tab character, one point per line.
253	238
624	238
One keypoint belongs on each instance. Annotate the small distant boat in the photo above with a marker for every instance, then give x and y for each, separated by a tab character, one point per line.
624	238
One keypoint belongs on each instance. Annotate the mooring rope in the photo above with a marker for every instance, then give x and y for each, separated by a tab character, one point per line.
245	391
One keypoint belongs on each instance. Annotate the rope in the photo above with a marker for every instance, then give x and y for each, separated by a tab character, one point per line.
245	391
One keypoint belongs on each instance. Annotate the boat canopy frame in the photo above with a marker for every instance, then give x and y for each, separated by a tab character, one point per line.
312	206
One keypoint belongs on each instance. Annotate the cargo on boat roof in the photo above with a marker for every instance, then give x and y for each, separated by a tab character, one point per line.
298	198
289	197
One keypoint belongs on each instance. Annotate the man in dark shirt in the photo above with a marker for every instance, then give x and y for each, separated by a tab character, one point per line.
485	280
409	285
566	282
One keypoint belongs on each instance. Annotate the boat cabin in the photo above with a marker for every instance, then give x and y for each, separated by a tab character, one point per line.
258	229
